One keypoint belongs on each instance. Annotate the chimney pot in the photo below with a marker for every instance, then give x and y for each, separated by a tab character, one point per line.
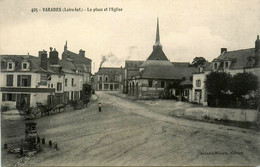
223	50
54	57
257	44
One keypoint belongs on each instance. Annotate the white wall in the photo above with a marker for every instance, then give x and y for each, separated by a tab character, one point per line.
35	78
202	78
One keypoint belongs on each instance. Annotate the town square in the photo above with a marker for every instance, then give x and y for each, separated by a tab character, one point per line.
169	83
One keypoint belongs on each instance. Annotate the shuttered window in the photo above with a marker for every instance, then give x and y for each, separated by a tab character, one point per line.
8	97
9	80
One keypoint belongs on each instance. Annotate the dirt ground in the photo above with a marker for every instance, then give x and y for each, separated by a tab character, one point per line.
129	132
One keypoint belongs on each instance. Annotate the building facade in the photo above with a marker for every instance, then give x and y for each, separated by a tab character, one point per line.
108	78
27	80
233	62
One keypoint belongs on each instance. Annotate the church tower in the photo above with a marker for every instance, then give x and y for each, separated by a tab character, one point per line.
157	40
157	53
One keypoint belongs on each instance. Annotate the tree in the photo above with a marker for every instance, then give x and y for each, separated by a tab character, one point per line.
218	83
243	83
198	61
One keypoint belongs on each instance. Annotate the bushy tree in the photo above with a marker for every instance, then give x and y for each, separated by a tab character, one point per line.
218	83
243	83
198	61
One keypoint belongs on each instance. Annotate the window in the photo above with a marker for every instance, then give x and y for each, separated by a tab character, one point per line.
215	65
10	66
8	97
106	79
100	86
59	86
116	78
150	83
51	85
198	83
9	80
186	92
66	82
72	81
100	79
226	64
24	80
24	66
162	84
116	86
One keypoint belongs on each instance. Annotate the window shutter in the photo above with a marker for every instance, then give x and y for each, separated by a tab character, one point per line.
3	96
29	80
18	80
9	80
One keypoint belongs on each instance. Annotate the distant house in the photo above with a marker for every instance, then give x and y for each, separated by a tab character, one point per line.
108	78
233	62
157	75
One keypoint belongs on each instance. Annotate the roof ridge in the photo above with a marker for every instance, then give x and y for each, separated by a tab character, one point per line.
239	50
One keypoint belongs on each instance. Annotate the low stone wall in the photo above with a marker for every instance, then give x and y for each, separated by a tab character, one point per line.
220	114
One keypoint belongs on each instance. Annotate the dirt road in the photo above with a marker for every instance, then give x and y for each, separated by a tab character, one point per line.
129	133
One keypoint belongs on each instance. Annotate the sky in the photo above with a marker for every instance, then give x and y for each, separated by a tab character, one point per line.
188	29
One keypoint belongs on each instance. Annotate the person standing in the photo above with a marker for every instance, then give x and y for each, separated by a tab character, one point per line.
99	107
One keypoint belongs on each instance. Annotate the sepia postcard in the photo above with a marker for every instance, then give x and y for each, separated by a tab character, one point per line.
130	83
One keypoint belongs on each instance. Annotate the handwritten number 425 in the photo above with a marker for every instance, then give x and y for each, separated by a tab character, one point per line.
34	10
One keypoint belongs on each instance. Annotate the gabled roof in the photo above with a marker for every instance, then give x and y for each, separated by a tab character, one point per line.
133	64
78	59
18	59
110	71
239	58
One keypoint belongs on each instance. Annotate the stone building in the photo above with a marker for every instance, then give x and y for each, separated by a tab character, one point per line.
109	78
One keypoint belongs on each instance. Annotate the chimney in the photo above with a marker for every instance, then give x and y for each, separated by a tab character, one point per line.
43	59
257	44
53	56
223	50
82	53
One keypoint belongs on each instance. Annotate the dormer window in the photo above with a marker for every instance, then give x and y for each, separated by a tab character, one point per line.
10	66
215	65
25	66
226	64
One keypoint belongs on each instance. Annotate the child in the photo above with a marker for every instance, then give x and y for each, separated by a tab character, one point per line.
99	107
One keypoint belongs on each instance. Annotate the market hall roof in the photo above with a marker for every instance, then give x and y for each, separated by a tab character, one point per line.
168	73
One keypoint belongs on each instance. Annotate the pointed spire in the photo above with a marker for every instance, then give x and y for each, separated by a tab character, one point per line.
157	40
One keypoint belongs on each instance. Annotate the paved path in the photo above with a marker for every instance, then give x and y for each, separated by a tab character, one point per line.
129	133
